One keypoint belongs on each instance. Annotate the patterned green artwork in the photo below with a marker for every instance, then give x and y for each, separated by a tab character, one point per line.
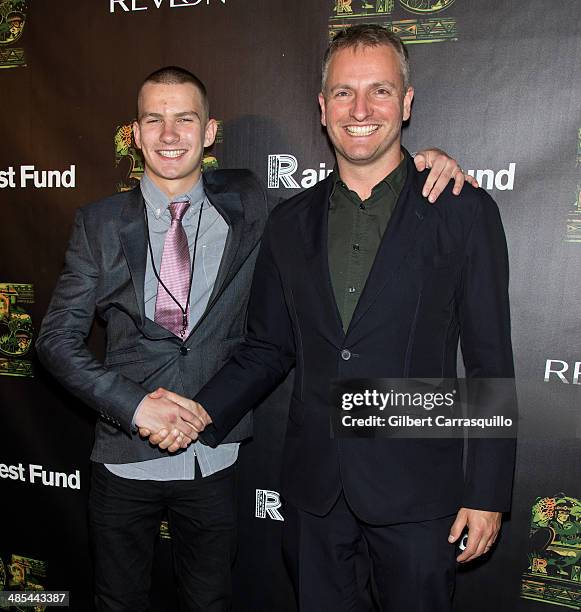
414	21
554	572
12	23
23	574
16	330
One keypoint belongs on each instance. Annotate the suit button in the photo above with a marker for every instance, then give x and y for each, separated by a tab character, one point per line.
345	355
183	350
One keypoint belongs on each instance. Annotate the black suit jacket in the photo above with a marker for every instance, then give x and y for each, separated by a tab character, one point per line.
104	276
441	273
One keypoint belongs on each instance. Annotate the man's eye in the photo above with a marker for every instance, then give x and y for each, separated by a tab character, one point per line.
185	120
341	94
383	92
152	120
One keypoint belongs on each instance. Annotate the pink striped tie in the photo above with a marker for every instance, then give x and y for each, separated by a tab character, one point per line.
175	274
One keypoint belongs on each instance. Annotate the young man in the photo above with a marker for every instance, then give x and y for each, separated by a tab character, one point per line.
359	277
168	268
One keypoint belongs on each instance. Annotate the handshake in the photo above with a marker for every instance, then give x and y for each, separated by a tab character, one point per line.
169	420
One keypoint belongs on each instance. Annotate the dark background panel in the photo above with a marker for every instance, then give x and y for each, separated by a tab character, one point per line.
507	90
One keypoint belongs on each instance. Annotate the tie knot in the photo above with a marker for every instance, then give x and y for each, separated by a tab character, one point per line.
178	209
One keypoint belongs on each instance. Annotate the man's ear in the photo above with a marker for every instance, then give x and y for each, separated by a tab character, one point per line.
137	134
407	103
323	109
210	132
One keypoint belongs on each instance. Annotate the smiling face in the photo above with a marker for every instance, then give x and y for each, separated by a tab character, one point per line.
363	107
172	131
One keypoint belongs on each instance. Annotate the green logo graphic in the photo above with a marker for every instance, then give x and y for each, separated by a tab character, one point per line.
573	232
127	157
2	575
12	22
554	572
16	331
23	574
425	28
349	8
426	6
129	160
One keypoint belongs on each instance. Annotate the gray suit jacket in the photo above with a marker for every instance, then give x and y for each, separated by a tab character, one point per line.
103	276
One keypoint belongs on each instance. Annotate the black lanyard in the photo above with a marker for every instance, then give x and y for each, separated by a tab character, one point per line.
183	310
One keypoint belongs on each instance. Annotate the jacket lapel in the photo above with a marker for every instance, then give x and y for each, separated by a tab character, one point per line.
398	239
244	232
313	225
229	205
133	238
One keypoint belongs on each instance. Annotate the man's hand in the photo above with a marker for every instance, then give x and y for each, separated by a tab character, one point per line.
443	169
483	528
158	412
176	438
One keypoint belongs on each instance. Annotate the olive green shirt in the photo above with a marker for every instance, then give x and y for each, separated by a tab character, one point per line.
356	228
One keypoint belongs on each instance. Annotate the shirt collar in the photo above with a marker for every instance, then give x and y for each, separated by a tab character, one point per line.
394	180
157	201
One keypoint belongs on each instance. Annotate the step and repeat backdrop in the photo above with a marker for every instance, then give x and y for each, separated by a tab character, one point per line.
498	85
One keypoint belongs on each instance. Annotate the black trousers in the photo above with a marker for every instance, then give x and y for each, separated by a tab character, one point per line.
124	520
337	562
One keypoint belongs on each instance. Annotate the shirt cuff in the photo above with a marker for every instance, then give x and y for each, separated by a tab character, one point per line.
134	427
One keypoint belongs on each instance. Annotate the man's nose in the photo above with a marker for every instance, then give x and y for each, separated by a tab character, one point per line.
169	133
361	108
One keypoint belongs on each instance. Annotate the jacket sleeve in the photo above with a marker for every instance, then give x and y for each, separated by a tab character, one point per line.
262	361
484	316
61	344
